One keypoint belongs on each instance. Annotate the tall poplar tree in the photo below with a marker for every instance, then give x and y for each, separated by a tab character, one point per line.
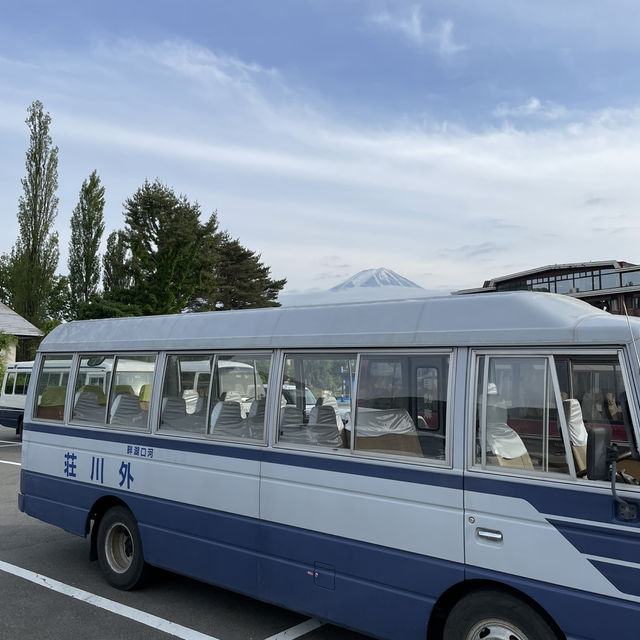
87	227
29	270
116	277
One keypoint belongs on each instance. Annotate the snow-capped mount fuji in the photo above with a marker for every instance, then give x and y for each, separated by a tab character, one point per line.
366	286
380	277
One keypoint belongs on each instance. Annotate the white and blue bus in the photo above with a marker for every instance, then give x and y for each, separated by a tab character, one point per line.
483	483
13	395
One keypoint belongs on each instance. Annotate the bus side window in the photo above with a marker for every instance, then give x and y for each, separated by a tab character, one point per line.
50	403
594	388
238	397
22	383
8	385
184	408
516	402
310	412
131	373
401	405
90	399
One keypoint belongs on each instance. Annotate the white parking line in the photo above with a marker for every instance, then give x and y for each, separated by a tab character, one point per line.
298	630
109	605
136	615
17	464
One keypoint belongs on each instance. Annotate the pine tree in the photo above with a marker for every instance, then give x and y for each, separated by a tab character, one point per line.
242	281
167	242
87	227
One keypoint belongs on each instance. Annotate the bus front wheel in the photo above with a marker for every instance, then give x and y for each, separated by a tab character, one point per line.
493	615
120	549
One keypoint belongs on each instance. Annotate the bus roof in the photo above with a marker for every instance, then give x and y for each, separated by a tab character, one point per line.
487	319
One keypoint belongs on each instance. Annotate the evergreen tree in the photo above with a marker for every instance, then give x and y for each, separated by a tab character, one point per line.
168	248
87	227
242	281
29	270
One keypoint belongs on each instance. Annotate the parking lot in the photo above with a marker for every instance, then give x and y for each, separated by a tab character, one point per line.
50	590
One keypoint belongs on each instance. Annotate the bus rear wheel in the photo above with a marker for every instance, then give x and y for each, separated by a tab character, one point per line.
120	549
493	615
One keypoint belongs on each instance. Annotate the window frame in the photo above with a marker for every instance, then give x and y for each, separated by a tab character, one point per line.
70	383
350	451
215	354
550	353
447	463
78	355
106	425
274	396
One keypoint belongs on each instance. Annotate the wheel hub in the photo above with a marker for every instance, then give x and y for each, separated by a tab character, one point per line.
495	630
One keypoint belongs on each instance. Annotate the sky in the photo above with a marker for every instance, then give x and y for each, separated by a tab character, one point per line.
449	141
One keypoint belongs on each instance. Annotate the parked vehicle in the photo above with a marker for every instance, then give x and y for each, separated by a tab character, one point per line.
484	485
13	395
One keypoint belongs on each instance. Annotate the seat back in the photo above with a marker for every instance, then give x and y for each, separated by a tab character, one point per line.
226	420
86	407
577	432
173	411
125	410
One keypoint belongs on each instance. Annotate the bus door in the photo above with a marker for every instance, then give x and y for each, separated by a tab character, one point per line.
533	519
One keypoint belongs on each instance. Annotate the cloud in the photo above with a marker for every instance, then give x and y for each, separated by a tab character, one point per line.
314	193
409	25
531	108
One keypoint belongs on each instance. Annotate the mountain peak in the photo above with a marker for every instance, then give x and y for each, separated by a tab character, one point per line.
380	277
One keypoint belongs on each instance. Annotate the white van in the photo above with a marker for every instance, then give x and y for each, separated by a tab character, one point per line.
14	391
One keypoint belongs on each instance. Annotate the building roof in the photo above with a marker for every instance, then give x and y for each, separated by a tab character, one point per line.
15	325
519	317
572	266
492	285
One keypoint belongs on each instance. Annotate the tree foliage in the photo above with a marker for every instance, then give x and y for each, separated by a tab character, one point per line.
87	227
165	260
167	243
28	271
116	268
241	280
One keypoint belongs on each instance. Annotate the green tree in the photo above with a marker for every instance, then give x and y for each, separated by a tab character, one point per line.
116	267
242	280
29	270
168	244
166	260
87	227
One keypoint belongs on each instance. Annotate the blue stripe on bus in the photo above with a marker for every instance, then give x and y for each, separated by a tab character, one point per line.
553	499
379	590
605	542
350	465
626	579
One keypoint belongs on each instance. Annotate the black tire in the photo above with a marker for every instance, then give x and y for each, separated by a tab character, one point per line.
493	615
120	552
19	430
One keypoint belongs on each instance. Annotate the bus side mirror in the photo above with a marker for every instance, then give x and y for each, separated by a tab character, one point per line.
598	441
